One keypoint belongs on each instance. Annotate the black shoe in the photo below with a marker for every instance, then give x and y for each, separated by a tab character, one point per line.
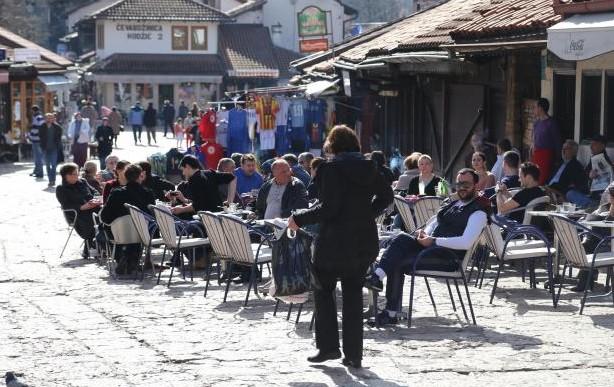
353	363
324	356
374	283
582	281
383	319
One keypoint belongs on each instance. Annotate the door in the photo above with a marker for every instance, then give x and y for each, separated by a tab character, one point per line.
564	104
165	92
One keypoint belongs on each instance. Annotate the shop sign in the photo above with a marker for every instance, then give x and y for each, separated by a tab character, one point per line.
141	31
313	45
26	55
312	22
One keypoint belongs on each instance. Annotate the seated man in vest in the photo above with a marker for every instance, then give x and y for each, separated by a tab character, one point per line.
133	193
457	226
529	181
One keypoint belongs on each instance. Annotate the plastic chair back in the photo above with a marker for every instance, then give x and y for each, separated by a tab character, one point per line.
531	206
405	211
238	238
140	223
425	208
166	225
215	233
569	240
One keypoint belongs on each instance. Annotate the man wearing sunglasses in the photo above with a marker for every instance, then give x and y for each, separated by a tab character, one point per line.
456	227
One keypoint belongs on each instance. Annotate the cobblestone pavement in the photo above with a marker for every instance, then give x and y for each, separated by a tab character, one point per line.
65	323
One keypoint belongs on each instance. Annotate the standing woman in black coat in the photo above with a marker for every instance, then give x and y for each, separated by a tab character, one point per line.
352	193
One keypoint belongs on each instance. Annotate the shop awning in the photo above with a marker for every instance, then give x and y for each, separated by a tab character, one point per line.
582	36
322	88
54	82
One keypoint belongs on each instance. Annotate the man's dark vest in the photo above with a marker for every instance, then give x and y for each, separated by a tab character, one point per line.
452	220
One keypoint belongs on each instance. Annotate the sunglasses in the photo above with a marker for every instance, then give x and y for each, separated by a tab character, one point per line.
463	185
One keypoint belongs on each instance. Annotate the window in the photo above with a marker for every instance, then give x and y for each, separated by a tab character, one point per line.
100	36
590	124
144	91
609	108
199	38
180	38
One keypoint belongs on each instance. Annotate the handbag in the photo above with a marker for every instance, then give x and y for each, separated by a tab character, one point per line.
291	264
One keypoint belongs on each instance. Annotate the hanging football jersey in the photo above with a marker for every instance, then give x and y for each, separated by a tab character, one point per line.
221	133
267	108
207	126
238	139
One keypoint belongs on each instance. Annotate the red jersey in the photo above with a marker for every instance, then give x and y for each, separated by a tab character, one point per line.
207	126
213	153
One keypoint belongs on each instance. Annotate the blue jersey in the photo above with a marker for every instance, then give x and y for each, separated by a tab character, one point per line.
238	137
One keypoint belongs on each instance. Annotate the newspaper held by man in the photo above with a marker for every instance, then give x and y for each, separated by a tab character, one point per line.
603	173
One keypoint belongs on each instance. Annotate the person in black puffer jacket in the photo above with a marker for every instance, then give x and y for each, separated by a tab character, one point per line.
352	193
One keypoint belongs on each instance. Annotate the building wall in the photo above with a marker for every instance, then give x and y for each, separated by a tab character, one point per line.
117	39
285	12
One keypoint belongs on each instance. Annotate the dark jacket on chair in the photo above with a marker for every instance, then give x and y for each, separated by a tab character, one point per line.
294	197
573	176
429	190
132	193
73	196
351	194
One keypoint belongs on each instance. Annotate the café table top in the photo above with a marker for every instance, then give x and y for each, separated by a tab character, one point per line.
548	213
598	223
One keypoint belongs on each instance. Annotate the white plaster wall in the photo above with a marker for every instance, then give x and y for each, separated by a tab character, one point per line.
225	5
159	42
285	13
252	17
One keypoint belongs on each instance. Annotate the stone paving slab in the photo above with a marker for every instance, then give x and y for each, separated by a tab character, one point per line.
65	323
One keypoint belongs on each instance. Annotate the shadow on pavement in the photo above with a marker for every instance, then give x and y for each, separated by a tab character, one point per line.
346	376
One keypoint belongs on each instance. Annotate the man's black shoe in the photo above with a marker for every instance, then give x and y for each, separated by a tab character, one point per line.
383	319
324	356
374	283
354	363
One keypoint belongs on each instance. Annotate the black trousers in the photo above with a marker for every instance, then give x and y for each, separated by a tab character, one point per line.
327	330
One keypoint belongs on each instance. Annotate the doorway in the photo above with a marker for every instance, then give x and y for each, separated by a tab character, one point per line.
165	92
564	104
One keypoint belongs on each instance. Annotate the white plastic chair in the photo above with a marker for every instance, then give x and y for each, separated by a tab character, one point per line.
404	209
175	242
512	249
454	275
425	208
245	253
142	226
218	240
575	254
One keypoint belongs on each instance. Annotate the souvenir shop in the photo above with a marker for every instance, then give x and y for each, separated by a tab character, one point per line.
270	122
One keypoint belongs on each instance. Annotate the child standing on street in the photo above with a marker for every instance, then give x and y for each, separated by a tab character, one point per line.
178	129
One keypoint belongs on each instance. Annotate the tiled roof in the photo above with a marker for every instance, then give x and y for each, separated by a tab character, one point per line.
248	51
181	10
12	40
284	57
428	28
509	17
247	6
165	64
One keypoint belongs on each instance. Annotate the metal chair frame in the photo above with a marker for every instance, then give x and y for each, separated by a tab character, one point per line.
511	249
221	247
455	275
575	254
71	226
174	233
238	235
146	226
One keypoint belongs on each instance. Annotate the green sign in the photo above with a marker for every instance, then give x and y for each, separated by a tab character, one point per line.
312	22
